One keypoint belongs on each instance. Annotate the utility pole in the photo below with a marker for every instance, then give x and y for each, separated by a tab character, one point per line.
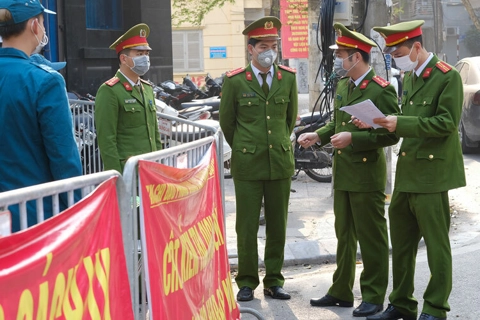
471	13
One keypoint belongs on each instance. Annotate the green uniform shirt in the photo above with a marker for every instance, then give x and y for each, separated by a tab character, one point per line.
126	121
257	127
430	158
361	166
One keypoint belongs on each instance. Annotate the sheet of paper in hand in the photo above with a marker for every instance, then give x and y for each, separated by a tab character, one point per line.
365	111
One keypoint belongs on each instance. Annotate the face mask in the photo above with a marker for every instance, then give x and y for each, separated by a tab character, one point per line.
141	64
405	64
44	41
338	66
266	58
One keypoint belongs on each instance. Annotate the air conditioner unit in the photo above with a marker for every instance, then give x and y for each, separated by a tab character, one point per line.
343	12
452	31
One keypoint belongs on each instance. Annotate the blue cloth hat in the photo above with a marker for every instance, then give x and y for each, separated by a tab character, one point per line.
39	59
22	10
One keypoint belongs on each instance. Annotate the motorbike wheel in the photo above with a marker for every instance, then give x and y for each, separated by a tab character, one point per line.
324	174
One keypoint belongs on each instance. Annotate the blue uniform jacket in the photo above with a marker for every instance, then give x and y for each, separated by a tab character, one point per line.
37	144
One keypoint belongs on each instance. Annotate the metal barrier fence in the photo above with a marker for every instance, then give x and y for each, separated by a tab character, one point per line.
53	189
174	131
193	151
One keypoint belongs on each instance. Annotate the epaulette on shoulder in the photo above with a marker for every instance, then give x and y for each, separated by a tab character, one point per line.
235	72
146	81
382	82
112	81
443	66
292	70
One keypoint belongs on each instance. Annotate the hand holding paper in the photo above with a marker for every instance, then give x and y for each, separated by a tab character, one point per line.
365	111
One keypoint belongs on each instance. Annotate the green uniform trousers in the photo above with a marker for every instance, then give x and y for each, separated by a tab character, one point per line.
360	216
248	195
413	215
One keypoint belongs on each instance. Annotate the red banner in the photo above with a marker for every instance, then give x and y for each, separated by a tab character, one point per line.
188	270
71	266
294	18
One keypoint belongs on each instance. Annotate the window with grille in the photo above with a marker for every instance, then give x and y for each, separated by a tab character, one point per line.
187	51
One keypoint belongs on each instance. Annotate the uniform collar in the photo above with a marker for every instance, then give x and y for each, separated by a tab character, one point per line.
130	81
419	71
360	79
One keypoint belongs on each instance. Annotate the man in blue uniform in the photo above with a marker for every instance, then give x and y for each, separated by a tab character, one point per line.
36	140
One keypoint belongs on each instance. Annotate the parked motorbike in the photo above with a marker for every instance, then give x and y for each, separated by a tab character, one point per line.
85	134
199	94
214	86
179	93
315	161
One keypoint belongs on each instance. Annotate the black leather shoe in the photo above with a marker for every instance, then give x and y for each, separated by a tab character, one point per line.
245	294
390	314
367	309
329	301
276	292
425	316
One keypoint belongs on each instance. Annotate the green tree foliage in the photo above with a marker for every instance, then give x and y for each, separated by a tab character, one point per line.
193	12
472	41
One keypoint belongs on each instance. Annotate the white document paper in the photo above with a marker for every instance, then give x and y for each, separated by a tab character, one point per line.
364	111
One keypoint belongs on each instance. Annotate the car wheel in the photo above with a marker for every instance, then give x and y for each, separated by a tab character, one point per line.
464	141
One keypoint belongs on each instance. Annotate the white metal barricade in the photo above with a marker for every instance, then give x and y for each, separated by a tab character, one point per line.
194	151
37	193
85	135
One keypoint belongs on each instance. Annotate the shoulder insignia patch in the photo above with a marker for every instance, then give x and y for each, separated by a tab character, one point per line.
364	84
112	81
443	66
382	82
235	72
426	73
292	70
145	81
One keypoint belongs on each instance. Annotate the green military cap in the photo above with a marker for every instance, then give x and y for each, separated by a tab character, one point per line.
265	27
398	33
134	38
347	39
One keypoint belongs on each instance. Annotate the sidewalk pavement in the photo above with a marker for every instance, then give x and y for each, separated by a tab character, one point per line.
310	230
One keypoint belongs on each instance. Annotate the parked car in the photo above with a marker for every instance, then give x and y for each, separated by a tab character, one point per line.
469	128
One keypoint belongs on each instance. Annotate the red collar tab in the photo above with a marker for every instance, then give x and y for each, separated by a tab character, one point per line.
292	70
127	86
427	73
364	84
112	81
234	72
279	75
382	82
248	75
443	66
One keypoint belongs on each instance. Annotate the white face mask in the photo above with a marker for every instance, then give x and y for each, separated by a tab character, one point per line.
266	58
404	63
141	64
338	66
44	41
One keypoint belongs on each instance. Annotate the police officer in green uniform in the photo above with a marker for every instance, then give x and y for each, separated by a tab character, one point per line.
429	164
257	115
359	177
125	112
